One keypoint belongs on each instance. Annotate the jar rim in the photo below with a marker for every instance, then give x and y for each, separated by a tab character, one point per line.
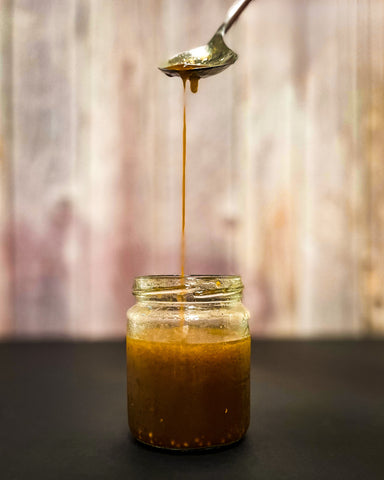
188	287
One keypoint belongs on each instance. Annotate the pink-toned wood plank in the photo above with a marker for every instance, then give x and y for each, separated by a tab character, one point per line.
120	186
330	297
43	164
265	104
79	295
6	257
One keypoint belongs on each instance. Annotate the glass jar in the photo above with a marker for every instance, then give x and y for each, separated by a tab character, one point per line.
188	362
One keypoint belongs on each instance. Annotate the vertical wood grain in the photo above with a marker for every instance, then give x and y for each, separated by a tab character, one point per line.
43	161
263	110
106	159
372	86
120	173
79	243
6	248
329	293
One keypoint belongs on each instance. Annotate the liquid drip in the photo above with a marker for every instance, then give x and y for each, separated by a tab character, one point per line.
194	81
185	75
183	185
186	72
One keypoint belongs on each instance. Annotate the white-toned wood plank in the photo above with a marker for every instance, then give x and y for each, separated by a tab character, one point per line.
163	135
119	176
6	257
79	242
264	154
43	161
330	295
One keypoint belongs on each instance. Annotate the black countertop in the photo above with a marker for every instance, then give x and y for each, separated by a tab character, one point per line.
317	413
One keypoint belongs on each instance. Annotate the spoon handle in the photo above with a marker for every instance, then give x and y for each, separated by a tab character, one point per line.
233	14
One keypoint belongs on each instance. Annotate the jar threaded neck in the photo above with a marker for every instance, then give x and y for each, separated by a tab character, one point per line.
188	288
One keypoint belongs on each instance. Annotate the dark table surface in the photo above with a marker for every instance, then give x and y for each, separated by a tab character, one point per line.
317	413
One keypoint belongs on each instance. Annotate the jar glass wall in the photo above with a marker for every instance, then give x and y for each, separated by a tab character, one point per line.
188	362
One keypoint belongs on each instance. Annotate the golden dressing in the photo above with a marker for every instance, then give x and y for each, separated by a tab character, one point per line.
188	392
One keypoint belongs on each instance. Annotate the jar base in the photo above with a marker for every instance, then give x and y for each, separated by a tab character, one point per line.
189	450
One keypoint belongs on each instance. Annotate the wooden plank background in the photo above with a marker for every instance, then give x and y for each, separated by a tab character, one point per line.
285	162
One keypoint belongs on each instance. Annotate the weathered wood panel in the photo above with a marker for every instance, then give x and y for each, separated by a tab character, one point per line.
270	149
118	214
6	208
330	295
43	100
371	135
80	246
284	162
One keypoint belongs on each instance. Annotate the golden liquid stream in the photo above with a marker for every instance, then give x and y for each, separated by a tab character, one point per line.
183	184
185	75
194	83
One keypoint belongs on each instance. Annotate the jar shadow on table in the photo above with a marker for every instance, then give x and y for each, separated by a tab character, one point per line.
134	460
131	454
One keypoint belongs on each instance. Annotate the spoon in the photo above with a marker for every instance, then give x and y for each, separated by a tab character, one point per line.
208	59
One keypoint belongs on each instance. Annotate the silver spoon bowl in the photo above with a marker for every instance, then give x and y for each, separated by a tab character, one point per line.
209	59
